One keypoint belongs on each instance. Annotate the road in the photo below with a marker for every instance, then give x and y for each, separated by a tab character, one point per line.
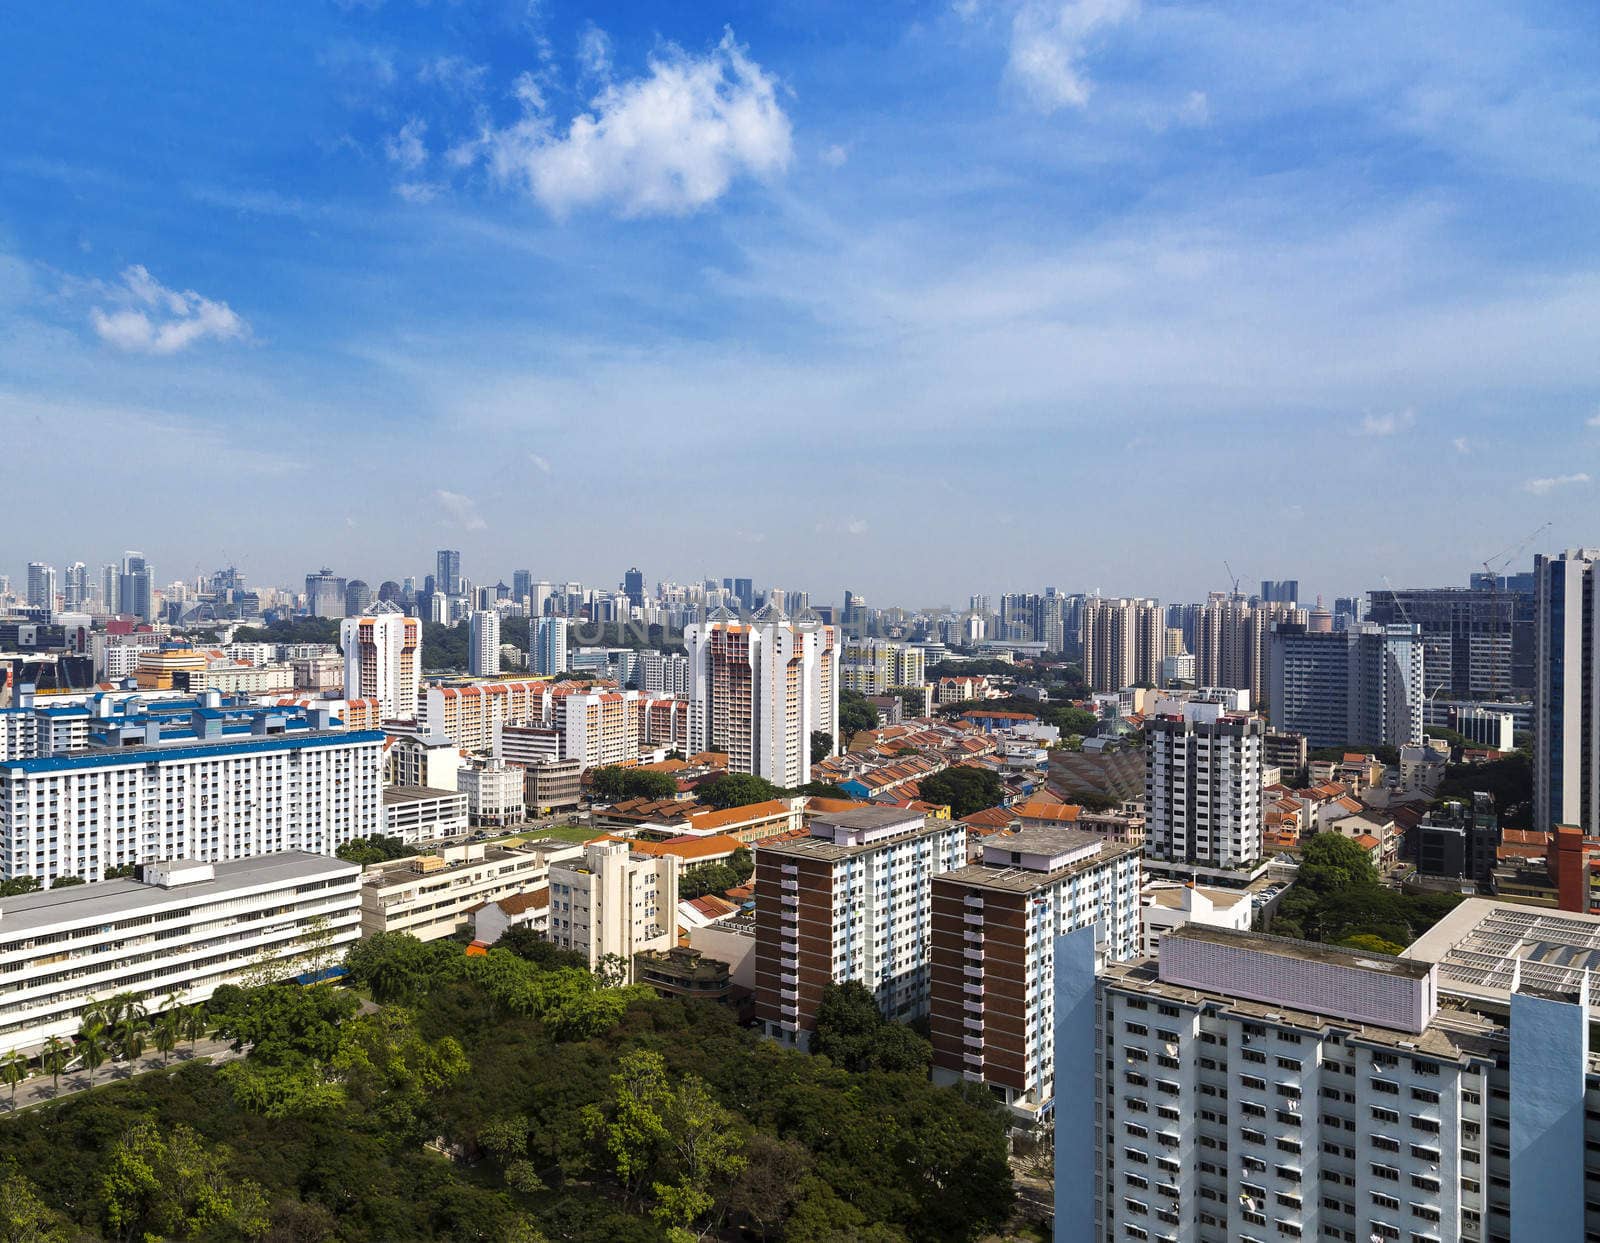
39	1090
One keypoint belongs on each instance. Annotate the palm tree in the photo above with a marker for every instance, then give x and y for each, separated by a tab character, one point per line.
94	1042
164	1034
13	1070
194	1023
130	1036
53	1060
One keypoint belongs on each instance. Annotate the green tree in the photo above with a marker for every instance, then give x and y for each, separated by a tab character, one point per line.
855	715
397	967
66	882
821	745
963	789
165	1033
821	789
194	1024
94	1041
1375	945
168	1183
375	849
736	790
613	783
1331	861
24	1216
53	1058
13	1070
18	885
852	1032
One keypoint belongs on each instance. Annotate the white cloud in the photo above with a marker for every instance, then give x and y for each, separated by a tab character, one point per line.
1049	39
1539	487
594	52
461	510
834	155
842	526
455	74
1387	424
152	319
408	148
1592	421
542	464
1462	444
664	144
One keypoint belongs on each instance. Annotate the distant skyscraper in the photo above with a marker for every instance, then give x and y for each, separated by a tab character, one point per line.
758	691
110	577
76	586
521	584
1230	642
633	587
389	592
357	598
447	571
383	660
1566	691
1123	642
549	646
745	590
1477	643
1280	591
1355	687
483	645
41	586
325	594
135	589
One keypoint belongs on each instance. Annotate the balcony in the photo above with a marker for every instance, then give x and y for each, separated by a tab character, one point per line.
972	990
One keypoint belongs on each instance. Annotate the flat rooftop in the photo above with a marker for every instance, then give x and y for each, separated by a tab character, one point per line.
1026	880
1311	951
1451	1033
1047	841
868	817
108	900
417	794
831	851
1484	947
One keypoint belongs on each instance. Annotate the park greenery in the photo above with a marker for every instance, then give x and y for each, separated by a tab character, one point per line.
704	878
1508	780
962	789
1336	897
856	714
291	630
515	1099
613	783
378	848
728	790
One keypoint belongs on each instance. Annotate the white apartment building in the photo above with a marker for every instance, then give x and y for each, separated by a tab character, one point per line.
117	656
759	690
1203	800
470	713
1251	1088
877	666
1169	906
851	902
211	799
383	660
170	938
433	896
614	902
548	644
494	793
995	924
427	761
483	644
424	813
1123	642
663	673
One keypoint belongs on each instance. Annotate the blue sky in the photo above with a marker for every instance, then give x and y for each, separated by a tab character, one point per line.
920	299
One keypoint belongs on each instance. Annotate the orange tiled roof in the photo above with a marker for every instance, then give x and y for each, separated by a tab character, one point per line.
740	815
691	848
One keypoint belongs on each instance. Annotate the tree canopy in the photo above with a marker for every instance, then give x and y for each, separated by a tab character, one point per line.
736	790
855	714
614	782
963	789
378	848
1336	897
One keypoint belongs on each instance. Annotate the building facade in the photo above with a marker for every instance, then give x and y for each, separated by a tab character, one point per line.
170	937
612	902
758	691
1566	691
1203	796
548	656
1353	687
991	947
853	901
383	661
1123	643
483	644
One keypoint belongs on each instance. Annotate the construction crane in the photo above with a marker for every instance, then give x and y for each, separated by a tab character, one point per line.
1509	555
1232	577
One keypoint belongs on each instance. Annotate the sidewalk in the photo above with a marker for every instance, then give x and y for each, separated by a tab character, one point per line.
38	1090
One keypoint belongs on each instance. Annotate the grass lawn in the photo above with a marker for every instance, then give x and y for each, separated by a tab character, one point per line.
563	832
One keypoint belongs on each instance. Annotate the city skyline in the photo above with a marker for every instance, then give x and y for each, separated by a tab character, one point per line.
1093	261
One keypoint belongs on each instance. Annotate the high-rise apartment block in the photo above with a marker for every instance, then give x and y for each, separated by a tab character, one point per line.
1566	691
483	644
383	660
991	953
136	587
1247	1087
613	903
1123	642
325	594
853	901
1203	787
41	586
877	666
548	654
1361	686
1230	642
1280	590
758	690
